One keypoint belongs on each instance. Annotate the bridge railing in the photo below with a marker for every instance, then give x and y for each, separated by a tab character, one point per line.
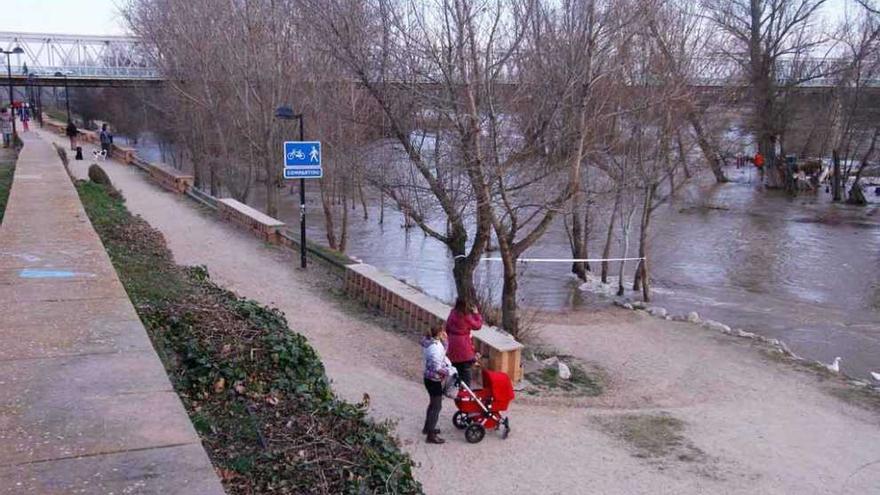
88	72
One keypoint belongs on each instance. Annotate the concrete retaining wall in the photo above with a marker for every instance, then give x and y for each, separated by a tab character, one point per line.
421	312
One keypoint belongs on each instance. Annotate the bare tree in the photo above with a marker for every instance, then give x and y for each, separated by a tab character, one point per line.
777	46
229	71
682	37
434	71
577	48
854	115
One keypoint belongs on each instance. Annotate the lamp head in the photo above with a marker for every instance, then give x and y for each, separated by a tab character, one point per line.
284	113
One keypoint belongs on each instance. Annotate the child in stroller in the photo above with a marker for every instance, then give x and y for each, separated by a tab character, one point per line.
479	410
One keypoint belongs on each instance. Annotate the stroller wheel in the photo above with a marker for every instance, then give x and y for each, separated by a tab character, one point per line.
460	420
474	433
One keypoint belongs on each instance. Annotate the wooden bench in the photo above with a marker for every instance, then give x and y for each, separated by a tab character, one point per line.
89	137
263	226
127	155
61	128
54	125
500	352
421	312
169	178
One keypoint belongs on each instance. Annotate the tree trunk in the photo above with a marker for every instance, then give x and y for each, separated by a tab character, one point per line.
640	279
587	226
609	236
620	290
509	310
327	206
682	156
857	196
626	219
463	274
363	200
578	249
343	230
835	177
271	191
710	152
215	180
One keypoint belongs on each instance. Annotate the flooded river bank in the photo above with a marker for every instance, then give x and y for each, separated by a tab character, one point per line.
803	270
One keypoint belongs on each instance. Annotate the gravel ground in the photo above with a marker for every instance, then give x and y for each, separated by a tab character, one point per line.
719	415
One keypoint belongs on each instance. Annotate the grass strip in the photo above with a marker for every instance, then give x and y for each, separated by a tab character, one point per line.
7	171
256	391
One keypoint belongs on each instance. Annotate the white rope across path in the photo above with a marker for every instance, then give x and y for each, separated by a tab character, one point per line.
565	260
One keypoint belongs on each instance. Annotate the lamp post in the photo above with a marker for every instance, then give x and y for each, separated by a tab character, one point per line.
286	113
17	50
66	93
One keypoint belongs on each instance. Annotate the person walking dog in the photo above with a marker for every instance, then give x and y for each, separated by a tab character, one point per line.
106	140
72	133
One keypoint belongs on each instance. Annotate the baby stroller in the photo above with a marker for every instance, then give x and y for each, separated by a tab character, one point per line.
481	409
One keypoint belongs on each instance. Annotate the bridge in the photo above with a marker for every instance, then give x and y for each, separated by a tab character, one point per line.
76	60
119	61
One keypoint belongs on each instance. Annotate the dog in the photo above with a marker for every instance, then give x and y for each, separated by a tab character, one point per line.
100	154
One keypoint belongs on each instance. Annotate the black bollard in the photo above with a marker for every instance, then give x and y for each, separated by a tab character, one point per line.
79	153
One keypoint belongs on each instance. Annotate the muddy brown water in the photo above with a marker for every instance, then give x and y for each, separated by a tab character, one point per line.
803	270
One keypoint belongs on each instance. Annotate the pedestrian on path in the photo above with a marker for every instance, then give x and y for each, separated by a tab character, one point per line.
436	370
6	127
758	160
462	320
25	117
106	139
72	133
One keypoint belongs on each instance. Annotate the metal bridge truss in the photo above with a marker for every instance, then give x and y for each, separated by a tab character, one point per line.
79	57
119	60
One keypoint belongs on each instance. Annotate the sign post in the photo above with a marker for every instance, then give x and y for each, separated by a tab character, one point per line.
302	160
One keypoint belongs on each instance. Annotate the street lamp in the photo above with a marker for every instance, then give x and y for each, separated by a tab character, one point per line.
66	93
286	113
17	50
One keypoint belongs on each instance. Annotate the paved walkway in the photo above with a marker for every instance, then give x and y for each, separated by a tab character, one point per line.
86	406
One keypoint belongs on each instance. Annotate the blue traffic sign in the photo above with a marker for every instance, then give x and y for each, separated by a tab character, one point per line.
302	153
302	160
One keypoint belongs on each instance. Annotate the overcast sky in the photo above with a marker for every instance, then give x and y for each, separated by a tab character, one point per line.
102	16
62	16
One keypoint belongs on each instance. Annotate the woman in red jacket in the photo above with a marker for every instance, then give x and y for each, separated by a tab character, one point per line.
461	321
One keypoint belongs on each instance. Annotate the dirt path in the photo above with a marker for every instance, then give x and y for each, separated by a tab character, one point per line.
687	411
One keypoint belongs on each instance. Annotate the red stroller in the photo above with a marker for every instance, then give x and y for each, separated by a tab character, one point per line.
480	410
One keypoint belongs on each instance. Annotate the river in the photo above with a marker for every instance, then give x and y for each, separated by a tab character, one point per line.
803	270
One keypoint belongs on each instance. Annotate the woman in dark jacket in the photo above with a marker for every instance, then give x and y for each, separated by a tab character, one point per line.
72	133
461	322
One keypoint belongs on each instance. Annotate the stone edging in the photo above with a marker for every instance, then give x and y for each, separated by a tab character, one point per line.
694	318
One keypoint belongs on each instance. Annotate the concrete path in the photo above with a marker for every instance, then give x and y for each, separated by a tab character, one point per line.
86	406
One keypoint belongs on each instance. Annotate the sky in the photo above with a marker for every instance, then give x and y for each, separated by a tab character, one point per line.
101	17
